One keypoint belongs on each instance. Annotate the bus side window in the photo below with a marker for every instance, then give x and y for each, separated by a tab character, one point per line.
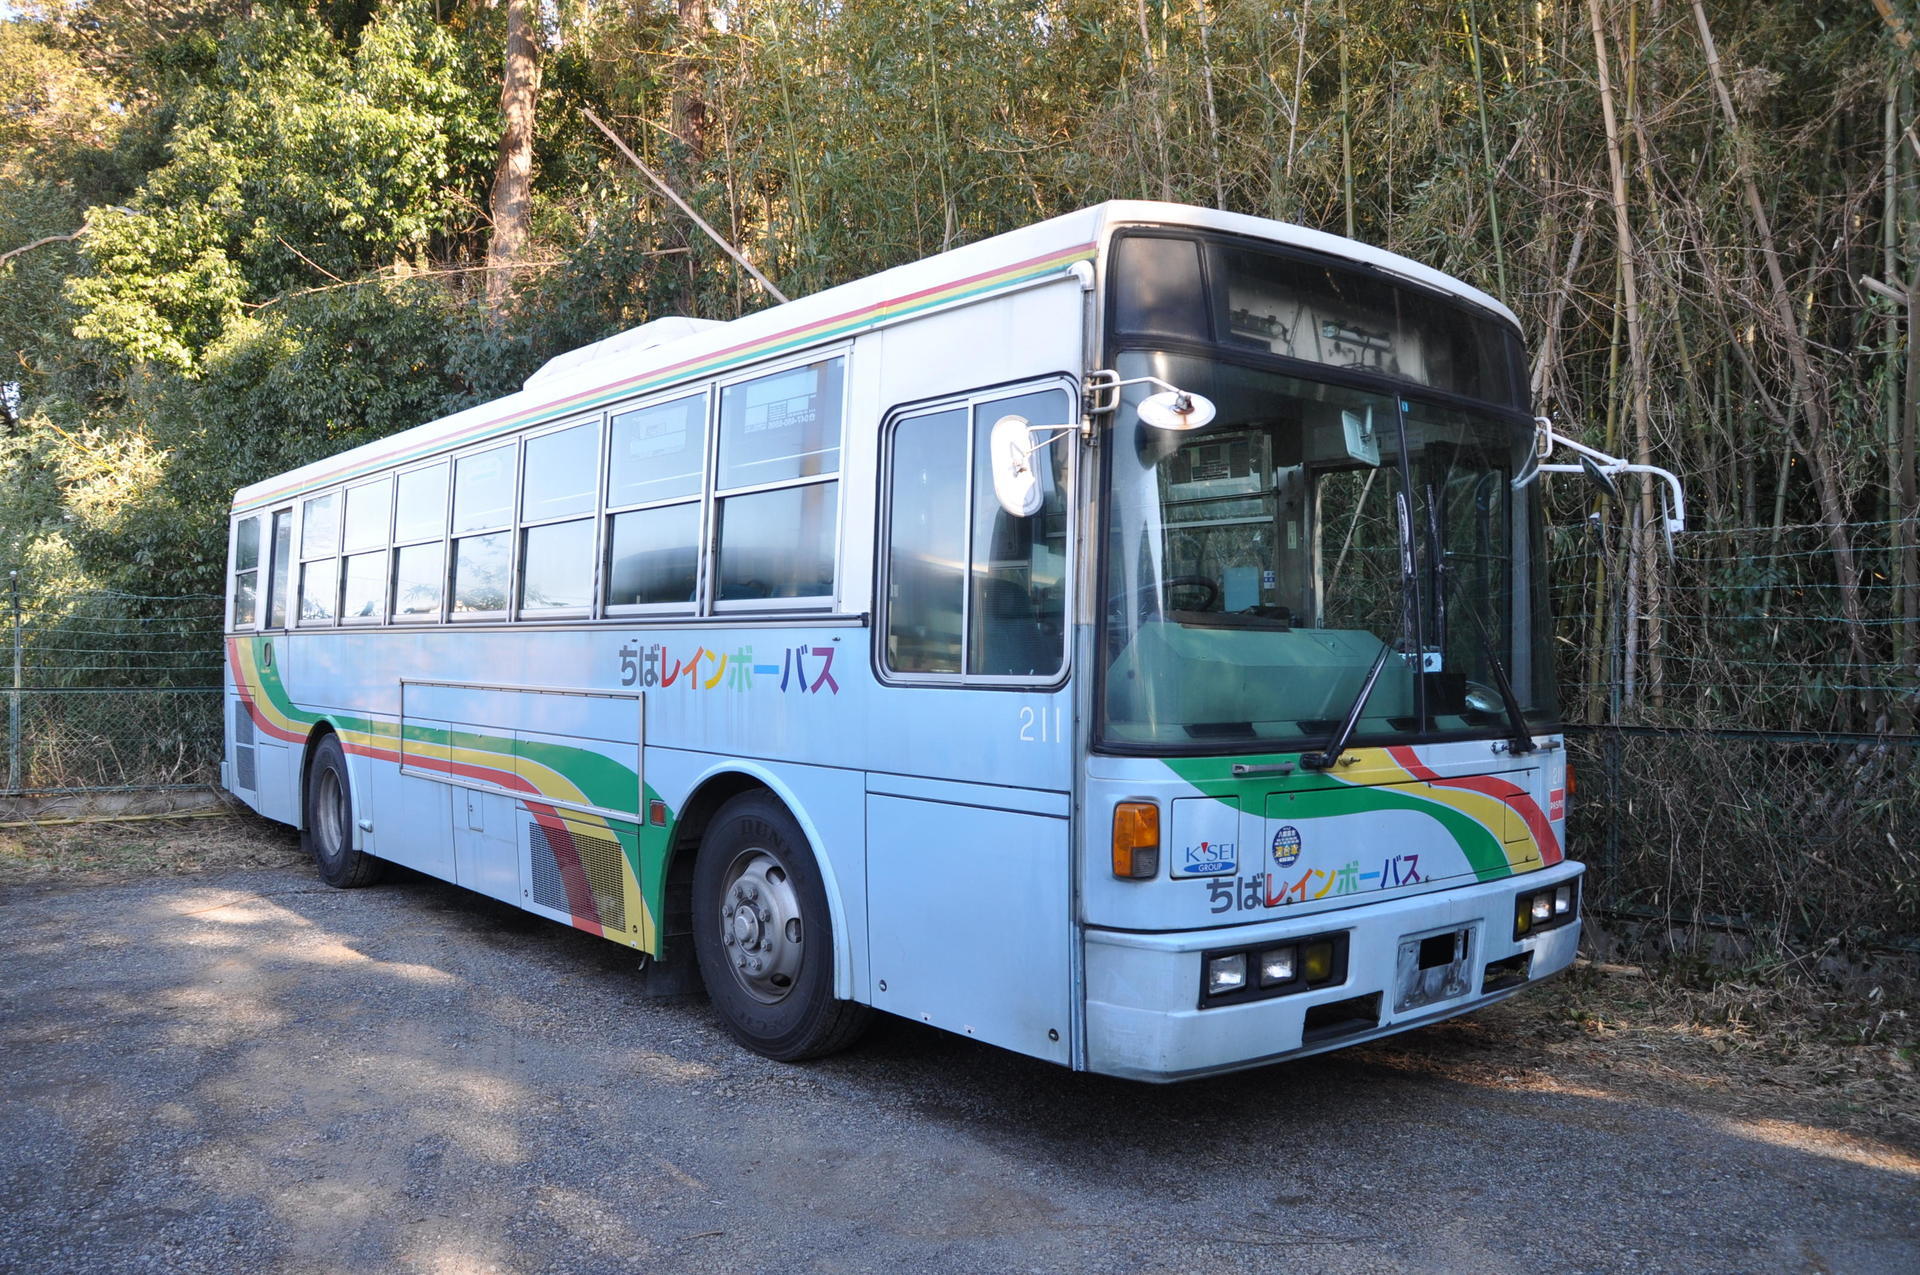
1017	577
279	569
972	590
246	573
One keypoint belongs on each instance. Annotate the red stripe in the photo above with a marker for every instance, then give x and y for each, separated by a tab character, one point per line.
1519	798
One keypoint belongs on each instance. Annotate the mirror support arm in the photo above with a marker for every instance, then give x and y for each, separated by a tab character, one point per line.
1548	439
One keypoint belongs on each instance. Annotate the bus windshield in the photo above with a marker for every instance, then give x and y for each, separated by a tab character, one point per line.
1256	568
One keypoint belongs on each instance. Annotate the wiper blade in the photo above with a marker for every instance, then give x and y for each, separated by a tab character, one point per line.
1522	738
1338	744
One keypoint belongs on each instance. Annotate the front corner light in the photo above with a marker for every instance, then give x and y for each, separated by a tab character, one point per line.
1317	963
1277	966
1226	974
1522	918
1136	840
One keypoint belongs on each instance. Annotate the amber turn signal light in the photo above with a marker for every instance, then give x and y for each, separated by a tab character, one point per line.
1136	840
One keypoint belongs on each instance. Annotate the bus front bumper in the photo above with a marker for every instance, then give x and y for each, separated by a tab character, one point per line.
1145	1020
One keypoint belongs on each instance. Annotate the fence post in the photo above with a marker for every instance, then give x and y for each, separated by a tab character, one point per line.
13	698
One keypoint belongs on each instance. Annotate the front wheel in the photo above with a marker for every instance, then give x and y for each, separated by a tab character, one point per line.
763	937
328	835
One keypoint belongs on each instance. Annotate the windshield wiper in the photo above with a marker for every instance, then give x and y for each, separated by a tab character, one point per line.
1350	722
1338	744
1522	738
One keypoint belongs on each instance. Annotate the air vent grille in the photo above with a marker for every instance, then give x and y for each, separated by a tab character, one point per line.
243	776
242	724
580	873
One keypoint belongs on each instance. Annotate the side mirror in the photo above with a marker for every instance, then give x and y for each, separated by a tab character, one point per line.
1600	478
1010	448
1176	410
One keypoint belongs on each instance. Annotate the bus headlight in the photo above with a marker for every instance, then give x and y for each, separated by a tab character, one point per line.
1226	974
1280	969
1276	966
1545	909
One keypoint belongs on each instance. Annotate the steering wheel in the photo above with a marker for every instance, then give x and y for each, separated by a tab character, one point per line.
1209	596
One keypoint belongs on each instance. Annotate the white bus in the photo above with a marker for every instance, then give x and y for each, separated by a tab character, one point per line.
1123	641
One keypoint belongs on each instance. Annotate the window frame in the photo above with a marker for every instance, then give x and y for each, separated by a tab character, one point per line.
395	544
967	402
516	603
510	528
296	616
702	496
713	496
257	517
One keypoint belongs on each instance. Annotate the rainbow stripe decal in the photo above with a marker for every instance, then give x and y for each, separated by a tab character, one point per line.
831	328
532	769
1474	810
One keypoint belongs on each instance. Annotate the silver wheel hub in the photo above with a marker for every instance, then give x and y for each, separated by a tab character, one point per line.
760	928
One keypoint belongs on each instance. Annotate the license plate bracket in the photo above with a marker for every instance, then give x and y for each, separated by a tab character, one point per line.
1434	966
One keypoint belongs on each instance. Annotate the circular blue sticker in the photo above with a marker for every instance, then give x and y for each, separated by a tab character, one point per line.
1286	846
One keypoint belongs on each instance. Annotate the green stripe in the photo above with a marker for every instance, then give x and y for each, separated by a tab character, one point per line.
1213	777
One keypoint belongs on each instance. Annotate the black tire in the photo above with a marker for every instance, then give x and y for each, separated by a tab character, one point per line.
763	937
328	831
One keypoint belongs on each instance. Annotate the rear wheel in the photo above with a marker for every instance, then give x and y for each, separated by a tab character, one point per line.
763	936
329	823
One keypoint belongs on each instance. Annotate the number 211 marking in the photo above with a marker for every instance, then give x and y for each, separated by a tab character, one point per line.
1040	725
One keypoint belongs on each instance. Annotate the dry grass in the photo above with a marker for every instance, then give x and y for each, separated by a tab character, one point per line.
105	851
1778	1047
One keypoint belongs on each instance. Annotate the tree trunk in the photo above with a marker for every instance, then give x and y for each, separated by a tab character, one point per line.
689	88
513	179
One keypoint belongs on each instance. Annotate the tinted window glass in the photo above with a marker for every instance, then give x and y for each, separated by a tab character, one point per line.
927	543
366	520
782	426
1349	319
777	544
279	574
1156	287
365	587
246	545
558	569
1017	567
483	489
419	574
654	556
320	526
245	607
246	564
560	473
480	573
317	583
657	452
420	511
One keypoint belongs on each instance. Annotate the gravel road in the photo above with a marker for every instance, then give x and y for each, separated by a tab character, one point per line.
246	1071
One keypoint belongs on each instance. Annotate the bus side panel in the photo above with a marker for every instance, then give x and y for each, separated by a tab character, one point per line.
830	806
411	817
973	902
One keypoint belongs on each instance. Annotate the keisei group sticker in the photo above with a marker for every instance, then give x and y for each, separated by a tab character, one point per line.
1208	859
1286	845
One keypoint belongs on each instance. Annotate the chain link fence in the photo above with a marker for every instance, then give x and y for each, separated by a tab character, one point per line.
110	692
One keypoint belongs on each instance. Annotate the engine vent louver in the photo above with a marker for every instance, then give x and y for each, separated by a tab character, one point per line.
593	865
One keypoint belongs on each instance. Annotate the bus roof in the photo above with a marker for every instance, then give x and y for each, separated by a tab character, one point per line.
659	354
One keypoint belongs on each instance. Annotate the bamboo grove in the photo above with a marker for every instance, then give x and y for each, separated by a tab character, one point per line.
246	233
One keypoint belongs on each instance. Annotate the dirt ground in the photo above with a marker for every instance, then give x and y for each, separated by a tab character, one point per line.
1762	1043
216	1063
